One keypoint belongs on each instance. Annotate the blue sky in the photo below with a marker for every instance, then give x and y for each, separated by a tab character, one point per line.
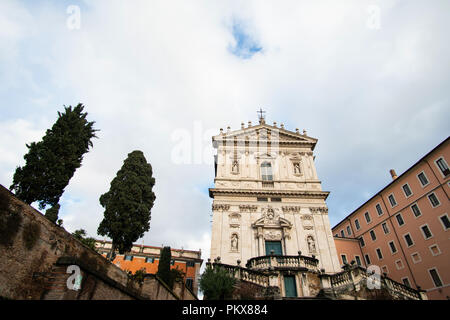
376	98
245	45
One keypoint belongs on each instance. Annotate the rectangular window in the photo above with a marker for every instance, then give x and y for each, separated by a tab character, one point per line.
445	221
357	224
128	258
407	190
423	179
392	247
366	256
416	211
392	200
408	240
358	260
434	200
385	228
406	282
379	254
275	199
426	232
400	219
435	251
399	264
261	199
442	165
342	234
379	210
367	216
349	232
361	241
266	171
344	258
373	235
416	257
149	259
190	264
435	276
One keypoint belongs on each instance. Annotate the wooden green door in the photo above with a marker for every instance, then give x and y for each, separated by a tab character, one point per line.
275	246
289	286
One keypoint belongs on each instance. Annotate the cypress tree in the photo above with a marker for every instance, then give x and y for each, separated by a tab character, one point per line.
164	266
128	203
51	163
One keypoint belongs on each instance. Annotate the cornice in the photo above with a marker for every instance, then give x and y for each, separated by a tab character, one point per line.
284	193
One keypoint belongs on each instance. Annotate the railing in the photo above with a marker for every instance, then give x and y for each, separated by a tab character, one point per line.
277	262
340	279
267	184
355	275
403	289
240	273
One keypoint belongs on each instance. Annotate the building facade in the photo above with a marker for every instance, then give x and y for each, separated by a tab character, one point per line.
268	197
147	257
404	228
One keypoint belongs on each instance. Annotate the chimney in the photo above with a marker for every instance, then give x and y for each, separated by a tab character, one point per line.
393	174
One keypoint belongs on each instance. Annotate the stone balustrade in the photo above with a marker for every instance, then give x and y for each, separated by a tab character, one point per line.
241	273
283	262
355	276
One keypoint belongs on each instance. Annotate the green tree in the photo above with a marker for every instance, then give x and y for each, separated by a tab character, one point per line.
128	203
52	213
164	265
81	235
217	283
51	163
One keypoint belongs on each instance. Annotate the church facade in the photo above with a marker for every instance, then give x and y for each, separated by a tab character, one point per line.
268	197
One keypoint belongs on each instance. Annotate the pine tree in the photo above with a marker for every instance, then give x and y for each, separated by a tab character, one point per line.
128	203
164	265
51	163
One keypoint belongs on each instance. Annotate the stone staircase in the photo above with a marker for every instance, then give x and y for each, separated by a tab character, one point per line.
55	283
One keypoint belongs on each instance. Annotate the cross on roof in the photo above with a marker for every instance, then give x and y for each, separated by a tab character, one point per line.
261	117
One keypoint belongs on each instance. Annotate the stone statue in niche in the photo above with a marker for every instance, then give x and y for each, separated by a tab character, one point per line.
296	168
235	167
270	214
234	242
311	244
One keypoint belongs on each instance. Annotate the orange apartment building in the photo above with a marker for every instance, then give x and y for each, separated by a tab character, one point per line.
404	228
147	257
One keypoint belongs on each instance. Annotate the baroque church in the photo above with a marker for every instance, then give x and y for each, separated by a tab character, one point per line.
270	224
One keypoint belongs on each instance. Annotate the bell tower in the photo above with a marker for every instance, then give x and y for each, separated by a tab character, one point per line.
267	197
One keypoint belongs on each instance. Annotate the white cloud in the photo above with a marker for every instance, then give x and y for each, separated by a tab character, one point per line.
375	99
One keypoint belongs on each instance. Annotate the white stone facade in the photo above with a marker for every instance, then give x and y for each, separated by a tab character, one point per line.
267	189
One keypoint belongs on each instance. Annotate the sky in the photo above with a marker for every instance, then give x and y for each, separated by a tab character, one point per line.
369	79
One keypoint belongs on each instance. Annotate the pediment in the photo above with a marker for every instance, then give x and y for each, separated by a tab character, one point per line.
271	218
265	132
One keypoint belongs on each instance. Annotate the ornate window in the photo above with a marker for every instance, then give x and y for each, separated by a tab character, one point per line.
266	171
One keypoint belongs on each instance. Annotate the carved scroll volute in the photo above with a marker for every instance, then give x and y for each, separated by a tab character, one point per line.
260	233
